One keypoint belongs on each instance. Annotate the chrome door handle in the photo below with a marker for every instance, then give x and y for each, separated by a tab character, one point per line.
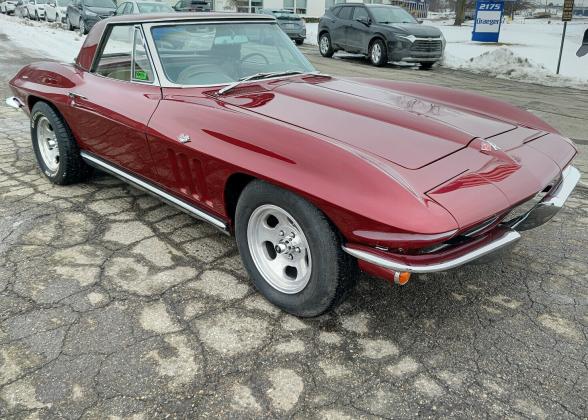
74	96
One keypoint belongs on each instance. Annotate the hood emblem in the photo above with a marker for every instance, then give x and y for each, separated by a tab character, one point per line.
488	146
183	138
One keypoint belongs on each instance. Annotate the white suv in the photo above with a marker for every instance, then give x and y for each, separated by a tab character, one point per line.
36	9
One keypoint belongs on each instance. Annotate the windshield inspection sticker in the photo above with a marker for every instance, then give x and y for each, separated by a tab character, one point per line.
141	75
487	21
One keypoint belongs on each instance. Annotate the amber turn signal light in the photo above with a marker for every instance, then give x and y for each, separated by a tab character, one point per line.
401	278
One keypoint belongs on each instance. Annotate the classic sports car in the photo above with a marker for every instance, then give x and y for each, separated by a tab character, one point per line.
221	116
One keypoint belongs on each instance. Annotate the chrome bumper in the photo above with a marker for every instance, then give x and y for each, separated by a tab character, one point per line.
506	237
543	211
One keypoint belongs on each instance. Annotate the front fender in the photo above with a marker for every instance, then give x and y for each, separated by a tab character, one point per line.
362	195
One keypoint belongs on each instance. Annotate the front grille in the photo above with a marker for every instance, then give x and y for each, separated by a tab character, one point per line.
428	46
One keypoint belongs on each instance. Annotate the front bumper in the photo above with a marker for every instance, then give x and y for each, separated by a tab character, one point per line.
501	237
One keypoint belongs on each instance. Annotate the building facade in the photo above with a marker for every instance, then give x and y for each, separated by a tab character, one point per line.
309	8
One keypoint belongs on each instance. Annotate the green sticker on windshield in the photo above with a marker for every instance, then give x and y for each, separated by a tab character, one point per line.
141	75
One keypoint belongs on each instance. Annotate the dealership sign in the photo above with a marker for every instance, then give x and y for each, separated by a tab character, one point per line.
487	21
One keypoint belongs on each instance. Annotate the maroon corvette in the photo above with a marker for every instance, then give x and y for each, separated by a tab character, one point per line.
221	116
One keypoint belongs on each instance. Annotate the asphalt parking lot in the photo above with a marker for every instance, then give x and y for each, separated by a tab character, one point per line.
114	304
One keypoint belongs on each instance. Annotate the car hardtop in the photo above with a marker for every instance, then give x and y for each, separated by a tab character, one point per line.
86	55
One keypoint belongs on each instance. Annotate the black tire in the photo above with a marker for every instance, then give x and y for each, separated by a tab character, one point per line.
37	16
326	52
68	23
380	59
72	168
427	65
82	27
333	272
299	41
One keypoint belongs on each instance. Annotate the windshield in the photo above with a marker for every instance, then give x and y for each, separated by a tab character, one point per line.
100	3
391	15
63	3
220	53
154	8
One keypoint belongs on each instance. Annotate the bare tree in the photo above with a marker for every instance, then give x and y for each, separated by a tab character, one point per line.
460	6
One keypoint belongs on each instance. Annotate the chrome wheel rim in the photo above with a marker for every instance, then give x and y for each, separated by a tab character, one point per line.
324	44
376	53
279	249
47	142
82	27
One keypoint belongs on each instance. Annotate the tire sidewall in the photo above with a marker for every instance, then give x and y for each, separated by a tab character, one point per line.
318	294
383	56
44	110
329	52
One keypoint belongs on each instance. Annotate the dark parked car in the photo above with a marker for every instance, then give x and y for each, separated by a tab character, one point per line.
383	33
192	6
292	24
84	14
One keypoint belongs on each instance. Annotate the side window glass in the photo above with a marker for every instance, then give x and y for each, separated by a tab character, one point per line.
345	13
116	56
119	9
359	12
142	71
130	9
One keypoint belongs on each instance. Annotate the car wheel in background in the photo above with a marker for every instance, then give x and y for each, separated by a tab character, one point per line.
68	23
378	55
55	148
299	41
82	27
291	251
37	16
325	47
427	65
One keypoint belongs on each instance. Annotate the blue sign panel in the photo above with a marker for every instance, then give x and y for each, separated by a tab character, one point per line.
488	20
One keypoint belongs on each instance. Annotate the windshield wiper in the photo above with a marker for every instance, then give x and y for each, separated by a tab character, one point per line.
257	76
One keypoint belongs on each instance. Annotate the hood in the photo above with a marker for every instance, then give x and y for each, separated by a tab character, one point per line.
423	31
408	131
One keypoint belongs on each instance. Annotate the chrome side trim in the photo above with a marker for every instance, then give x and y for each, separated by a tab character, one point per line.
509	238
158	192
14	102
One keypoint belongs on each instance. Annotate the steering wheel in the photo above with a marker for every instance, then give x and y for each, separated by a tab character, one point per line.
254	54
193	72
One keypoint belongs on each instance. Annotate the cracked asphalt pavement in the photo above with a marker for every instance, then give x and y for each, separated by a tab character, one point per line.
113	304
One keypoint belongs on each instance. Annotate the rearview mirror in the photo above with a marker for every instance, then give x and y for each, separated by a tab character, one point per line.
365	20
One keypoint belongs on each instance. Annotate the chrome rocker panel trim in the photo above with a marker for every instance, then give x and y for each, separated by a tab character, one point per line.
157	192
538	215
509	238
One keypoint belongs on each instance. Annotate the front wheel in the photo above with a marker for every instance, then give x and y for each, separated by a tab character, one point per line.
378	53
55	147
299	41
427	65
291	251
325	46
68	24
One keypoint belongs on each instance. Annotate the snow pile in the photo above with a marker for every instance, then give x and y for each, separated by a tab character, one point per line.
51	41
503	63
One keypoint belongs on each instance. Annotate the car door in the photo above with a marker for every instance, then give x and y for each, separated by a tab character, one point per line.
110	110
339	31
74	11
358	32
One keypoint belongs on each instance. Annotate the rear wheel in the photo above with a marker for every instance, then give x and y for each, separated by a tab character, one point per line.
427	65
56	149
291	251
378	54
325	46
299	41
68	24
